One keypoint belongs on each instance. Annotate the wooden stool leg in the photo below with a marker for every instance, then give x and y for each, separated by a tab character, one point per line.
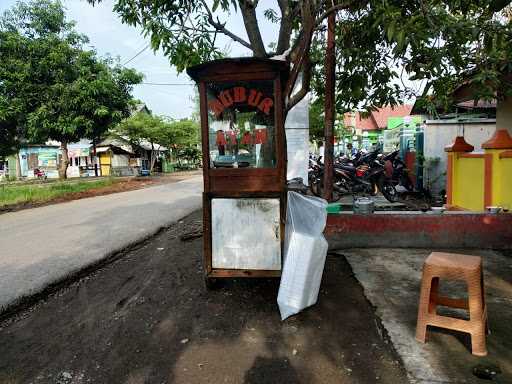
434	294
477	318
423	307
484	304
478	346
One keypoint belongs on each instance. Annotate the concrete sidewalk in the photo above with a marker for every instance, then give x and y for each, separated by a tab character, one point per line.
391	281
43	245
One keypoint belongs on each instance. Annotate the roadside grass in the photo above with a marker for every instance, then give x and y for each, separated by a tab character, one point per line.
11	194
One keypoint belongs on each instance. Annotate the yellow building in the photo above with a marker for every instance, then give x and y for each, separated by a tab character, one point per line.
476	180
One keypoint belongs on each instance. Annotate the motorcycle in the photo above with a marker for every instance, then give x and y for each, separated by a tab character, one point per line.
40	174
397	171
363	174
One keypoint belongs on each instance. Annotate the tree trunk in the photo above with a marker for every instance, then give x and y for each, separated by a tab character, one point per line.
153	157
64	161
18	165
329	107
94	159
285	30
251	26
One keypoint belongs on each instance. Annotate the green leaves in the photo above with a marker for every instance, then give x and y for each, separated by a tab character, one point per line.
50	88
386	44
181	28
157	130
271	15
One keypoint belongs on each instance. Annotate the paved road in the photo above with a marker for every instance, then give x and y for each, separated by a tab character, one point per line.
42	245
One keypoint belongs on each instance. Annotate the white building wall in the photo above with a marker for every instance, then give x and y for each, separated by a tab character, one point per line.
297	139
120	160
504	115
439	134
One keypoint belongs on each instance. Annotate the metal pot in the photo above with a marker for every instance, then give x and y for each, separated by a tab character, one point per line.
493	210
364	206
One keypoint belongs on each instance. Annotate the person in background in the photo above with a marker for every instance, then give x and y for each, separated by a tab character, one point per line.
351	151
321	151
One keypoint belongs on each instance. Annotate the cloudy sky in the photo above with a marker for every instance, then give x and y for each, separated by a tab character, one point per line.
109	36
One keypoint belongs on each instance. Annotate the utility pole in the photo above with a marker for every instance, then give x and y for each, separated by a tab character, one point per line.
330	81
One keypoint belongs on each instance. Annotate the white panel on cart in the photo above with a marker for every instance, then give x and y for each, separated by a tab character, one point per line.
246	234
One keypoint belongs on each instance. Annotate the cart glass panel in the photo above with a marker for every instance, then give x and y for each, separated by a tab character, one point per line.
241	124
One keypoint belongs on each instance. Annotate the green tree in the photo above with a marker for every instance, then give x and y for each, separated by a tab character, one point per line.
183	138
142	128
157	130
183	133
50	87
379	42
316	120
391	51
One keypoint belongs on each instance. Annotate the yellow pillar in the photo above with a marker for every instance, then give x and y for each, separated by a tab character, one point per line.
459	146
499	184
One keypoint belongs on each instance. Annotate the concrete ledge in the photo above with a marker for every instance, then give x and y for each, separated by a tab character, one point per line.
419	230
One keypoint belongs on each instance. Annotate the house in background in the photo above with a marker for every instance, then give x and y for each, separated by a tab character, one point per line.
45	157
7	167
476	122
118	157
370	129
81	160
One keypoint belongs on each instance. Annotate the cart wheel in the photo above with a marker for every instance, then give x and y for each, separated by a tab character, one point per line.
211	283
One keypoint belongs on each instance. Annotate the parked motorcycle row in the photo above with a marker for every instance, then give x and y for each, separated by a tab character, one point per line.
362	174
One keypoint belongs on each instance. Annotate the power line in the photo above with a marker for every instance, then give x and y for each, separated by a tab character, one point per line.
137	54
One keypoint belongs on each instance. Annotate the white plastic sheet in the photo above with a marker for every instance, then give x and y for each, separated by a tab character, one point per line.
304	254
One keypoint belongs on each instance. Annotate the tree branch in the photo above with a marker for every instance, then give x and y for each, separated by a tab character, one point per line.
219	27
248	9
285	29
304	45
300	50
334	8
305	85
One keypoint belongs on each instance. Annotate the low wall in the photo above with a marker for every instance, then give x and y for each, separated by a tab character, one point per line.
419	230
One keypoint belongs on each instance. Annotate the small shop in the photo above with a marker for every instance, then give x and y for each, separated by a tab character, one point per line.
117	158
244	166
81	161
43	158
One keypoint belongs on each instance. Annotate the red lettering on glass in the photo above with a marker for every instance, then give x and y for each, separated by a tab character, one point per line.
226	99
240	95
254	97
265	105
216	107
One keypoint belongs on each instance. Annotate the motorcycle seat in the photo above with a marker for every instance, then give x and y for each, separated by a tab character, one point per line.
345	167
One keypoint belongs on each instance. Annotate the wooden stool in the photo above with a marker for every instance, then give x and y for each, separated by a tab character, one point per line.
452	266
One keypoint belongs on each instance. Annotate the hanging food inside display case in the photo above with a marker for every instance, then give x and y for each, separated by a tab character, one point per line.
244	165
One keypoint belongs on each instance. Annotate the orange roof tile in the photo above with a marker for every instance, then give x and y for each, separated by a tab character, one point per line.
379	119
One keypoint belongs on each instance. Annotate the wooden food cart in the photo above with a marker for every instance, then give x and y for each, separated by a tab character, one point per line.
244	166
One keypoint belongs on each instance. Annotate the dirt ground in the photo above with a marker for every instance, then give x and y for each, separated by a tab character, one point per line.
147	318
123	185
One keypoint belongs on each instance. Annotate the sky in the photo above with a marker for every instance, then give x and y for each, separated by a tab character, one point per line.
108	35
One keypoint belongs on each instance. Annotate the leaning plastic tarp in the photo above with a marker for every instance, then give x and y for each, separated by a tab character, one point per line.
305	250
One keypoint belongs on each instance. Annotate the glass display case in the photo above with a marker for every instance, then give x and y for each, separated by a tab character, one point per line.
244	165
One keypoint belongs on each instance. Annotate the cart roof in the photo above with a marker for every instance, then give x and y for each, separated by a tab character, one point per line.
237	65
